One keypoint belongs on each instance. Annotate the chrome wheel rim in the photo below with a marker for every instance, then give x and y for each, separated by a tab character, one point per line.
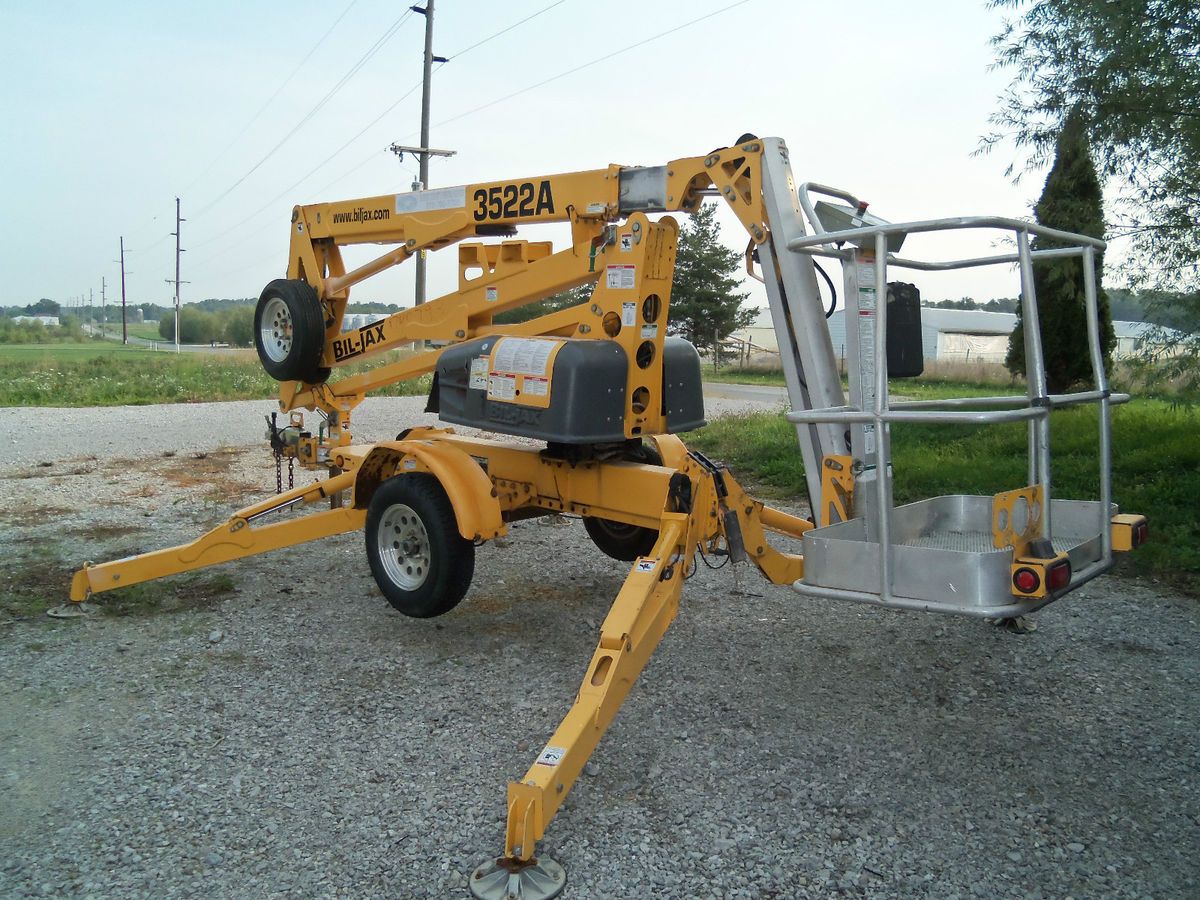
276	330
403	545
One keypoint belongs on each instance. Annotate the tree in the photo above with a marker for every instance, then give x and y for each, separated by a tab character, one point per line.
237	326
1130	69
195	326
43	307
1072	200
563	300
705	303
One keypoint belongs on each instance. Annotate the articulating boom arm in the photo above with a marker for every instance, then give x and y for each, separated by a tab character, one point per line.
492	278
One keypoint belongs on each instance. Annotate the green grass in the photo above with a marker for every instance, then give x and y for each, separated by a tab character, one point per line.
139	330
174	594
1156	468
743	376
40	353
929	386
106	374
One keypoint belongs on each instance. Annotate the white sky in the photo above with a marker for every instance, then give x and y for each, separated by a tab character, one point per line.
112	109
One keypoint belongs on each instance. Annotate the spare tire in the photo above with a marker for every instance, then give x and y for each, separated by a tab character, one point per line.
618	539
289	331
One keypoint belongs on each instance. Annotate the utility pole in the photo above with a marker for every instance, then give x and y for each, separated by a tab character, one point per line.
124	323
176	232
423	152
91	297
103	310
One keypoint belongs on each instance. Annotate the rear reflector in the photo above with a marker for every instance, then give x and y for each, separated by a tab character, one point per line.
1026	580
1058	576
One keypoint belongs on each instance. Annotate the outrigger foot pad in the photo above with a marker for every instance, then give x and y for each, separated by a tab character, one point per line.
511	879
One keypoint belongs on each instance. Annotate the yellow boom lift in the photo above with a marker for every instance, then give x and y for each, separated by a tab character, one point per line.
604	389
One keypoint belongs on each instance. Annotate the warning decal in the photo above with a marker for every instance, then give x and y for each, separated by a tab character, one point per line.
551	756
621	277
629	314
502	387
523	356
479	374
626	242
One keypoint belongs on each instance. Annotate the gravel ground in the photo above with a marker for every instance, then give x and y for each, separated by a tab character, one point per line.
295	736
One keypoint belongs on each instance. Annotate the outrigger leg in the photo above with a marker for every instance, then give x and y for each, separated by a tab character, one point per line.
640	616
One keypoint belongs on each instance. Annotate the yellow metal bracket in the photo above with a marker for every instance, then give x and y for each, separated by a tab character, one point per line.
1129	532
1017	518
837	489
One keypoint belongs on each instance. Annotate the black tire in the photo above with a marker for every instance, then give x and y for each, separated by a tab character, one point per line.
428	567
289	332
617	539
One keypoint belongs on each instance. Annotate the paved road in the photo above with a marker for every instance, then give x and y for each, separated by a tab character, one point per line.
157	344
47	434
756	393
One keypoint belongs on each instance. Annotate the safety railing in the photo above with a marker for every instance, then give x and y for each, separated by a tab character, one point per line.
1034	407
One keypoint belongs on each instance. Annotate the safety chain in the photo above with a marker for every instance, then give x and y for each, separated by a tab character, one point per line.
276	440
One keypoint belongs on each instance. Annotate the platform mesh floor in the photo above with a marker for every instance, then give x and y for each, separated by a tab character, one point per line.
962	541
975	541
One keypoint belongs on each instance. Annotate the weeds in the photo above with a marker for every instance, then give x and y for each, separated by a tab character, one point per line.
166	595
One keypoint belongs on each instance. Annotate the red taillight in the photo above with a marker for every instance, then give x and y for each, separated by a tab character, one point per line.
1140	533
1027	581
1058	576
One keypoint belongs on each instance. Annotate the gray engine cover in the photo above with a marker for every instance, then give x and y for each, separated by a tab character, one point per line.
587	395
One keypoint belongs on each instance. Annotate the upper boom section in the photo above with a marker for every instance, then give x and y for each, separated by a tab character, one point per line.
589	200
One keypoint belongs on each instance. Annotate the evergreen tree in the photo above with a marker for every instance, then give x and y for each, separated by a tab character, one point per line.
705	302
1072	200
565	300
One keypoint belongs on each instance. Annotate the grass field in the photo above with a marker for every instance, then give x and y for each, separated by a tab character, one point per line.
1156	468
139	330
106	374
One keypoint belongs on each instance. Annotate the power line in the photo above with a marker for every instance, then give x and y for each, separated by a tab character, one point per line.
372	124
271	99
505	30
363	131
594	62
313	171
362	61
213	160
254	215
411	90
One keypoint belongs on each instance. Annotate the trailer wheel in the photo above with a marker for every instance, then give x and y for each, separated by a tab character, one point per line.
289	332
419	560
617	539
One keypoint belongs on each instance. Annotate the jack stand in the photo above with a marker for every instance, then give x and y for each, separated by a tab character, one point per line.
513	879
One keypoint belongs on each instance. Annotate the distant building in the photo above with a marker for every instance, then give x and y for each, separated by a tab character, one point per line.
354	321
48	321
960	335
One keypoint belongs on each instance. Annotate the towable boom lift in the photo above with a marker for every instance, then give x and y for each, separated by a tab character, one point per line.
605	390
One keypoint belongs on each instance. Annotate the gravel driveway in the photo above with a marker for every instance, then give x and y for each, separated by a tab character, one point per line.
282	731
